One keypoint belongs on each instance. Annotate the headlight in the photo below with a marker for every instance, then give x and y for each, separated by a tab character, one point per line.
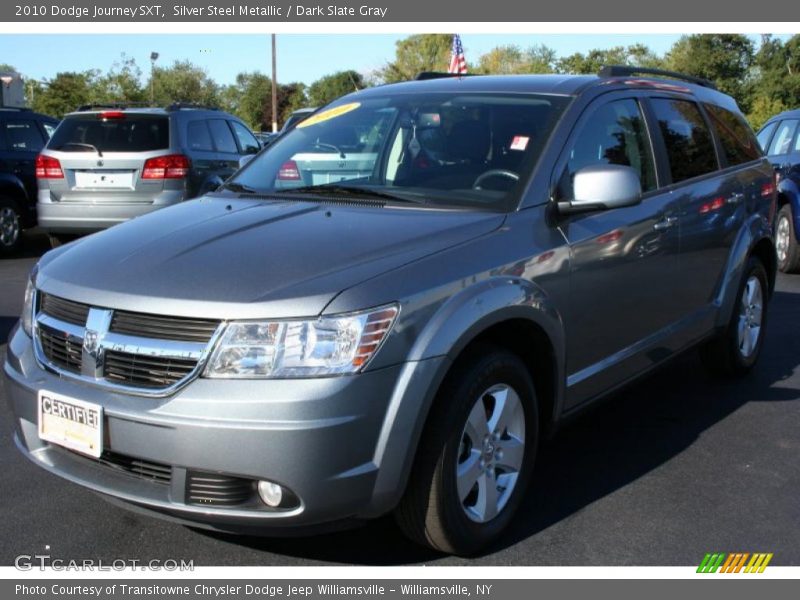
282	349
27	308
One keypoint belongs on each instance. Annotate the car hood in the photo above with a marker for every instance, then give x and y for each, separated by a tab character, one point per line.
245	258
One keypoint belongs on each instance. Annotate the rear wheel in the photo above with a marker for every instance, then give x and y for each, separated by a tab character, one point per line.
786	246
737	349
10	226
476	455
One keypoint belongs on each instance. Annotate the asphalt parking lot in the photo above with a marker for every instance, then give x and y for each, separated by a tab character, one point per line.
672	468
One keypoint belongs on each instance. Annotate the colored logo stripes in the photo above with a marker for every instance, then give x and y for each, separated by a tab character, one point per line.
735	562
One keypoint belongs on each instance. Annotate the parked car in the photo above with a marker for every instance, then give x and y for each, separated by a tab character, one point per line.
780	141
296	117
267	359
23	134
107	164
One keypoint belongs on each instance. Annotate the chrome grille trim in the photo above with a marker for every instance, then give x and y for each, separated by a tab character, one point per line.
64	310
141	366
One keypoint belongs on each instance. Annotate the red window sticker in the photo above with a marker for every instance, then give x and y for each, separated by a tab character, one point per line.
520	142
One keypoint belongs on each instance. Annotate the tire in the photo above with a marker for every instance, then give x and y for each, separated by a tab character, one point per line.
735	352
59	239
10	227
786	246
433	512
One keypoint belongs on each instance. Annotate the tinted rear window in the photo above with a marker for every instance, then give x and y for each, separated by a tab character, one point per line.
687	138
132	133
738	141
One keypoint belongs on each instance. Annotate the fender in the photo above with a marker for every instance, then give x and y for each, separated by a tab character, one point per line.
457	322
12	186
756	228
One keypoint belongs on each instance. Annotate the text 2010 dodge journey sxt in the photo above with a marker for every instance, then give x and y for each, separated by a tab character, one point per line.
391	306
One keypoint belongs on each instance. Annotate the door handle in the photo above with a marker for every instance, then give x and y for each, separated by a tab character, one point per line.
735	198
665	223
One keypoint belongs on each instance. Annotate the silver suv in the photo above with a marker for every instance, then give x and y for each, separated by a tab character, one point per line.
271	358
108	164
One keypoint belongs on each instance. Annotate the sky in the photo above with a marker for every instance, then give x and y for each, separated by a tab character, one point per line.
303	58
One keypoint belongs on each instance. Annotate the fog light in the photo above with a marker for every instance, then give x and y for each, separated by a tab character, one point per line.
271	493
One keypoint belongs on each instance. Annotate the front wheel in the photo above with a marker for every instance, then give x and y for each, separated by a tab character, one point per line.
736	350
475	457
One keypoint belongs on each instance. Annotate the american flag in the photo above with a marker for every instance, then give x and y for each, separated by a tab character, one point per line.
458	64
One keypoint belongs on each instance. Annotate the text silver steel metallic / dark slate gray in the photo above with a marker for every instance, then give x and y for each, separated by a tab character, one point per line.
320	342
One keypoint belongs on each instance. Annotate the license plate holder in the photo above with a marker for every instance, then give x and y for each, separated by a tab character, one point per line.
71	423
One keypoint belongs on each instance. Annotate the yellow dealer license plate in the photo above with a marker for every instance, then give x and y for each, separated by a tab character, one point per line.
71	423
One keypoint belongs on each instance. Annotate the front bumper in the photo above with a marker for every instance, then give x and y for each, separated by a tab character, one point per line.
317	437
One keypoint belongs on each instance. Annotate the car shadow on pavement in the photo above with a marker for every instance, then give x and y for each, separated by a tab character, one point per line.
606	448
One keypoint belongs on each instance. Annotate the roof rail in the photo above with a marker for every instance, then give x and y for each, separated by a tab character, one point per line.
20	108
111	105
425	75
624	71
189	105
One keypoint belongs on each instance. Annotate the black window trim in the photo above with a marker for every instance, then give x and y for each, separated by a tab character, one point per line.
726	166
638	96
662	147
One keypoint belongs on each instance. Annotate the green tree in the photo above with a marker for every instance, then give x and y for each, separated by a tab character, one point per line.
636	55
184	82
66	92
332	86
246	98
724	59
417	53
122	83
511	59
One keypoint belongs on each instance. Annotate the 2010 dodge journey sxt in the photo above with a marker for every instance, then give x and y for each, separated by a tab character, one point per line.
389	308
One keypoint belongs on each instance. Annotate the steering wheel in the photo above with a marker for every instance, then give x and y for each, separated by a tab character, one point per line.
494	173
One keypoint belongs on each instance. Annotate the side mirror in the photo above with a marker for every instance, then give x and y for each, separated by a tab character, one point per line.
211	185
245	159
601	187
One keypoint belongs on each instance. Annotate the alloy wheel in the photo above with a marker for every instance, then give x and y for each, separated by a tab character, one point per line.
9	226
751	311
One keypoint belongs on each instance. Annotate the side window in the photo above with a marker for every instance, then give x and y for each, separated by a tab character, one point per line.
690	149
738	141
247	141
198	137
614	134
764	135
23	136
222	136
783	137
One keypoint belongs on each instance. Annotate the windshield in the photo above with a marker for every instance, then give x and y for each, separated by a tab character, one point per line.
472	150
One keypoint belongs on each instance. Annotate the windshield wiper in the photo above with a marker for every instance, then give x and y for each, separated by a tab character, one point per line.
349	190
234	186
79	145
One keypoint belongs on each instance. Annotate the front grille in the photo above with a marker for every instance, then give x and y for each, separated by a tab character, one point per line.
163	328
145	371
60	350
144	469
65	310
217	490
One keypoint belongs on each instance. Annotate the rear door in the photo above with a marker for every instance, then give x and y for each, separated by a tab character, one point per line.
781	147
205	162
226	148
711	204
102	156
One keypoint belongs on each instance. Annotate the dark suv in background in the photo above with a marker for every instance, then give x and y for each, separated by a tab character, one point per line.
23	134
108	164
780	139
